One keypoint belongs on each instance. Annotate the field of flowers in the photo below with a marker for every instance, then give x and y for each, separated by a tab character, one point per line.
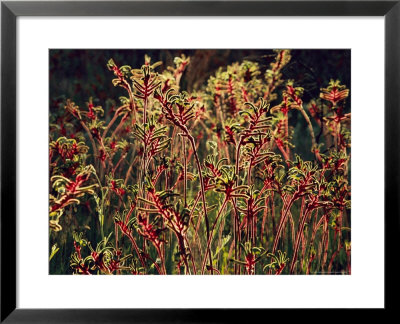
208	162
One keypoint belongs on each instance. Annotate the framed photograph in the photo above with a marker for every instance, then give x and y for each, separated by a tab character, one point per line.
163	158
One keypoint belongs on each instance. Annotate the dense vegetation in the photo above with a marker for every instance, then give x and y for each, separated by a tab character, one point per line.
244	173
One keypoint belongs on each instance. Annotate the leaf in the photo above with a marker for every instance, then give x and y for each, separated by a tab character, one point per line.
54	250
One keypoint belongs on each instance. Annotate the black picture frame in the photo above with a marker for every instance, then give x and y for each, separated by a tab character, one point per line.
10	10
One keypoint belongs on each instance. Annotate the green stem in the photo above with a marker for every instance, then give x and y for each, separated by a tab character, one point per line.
203	196
101	216
211	234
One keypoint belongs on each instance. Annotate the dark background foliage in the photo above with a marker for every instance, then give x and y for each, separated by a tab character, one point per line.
80	74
